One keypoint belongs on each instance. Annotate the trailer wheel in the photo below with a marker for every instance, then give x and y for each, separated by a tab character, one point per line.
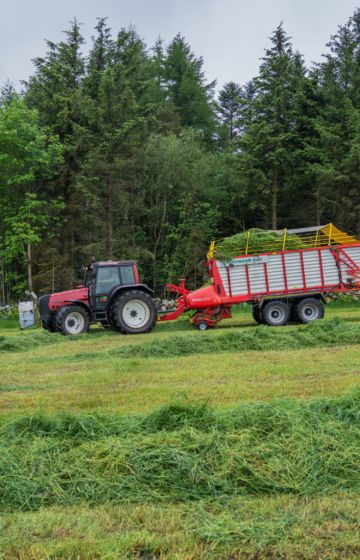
72	320
275	313
134	312
309	309
202	325
256	313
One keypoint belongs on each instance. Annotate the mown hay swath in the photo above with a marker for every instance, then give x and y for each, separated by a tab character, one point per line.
181	452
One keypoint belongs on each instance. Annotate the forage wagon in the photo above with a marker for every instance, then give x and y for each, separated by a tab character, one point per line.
280	282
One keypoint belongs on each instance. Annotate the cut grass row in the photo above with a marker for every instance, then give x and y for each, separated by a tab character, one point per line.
181	452
320	333
317	334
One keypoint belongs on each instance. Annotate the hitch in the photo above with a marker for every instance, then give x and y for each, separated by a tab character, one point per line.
178	289
180	302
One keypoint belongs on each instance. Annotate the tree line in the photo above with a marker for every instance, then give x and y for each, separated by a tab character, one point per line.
128	152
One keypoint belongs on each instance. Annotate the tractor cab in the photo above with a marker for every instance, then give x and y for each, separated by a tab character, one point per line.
102	278
111	295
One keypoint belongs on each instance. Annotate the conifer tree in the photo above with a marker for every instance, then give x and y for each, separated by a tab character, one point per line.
187	89
270	140
230	106
337	125
55	91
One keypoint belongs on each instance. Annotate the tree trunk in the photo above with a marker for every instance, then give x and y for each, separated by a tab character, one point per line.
110	241
157	240
29	268
2	280
274	192
318	208
231	129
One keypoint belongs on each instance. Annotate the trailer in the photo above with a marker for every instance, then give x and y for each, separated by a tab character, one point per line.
279	283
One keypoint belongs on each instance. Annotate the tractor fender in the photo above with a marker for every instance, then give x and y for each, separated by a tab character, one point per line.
120	289
81	304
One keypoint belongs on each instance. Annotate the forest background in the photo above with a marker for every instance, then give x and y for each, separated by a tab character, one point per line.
128	152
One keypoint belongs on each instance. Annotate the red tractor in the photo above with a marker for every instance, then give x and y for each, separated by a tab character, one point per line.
111	294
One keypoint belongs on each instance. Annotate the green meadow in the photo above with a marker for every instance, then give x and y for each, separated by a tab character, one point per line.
241	442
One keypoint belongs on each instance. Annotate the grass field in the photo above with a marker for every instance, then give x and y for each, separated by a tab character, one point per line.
236	443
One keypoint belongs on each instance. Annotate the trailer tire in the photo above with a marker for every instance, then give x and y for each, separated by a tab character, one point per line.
256	313
309	310
72	320
275	313
293	315
134	312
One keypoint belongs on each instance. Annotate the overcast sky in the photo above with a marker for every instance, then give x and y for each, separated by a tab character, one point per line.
229	34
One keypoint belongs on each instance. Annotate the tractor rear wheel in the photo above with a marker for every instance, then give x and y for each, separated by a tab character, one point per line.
134	312
49	325
72	320
275	313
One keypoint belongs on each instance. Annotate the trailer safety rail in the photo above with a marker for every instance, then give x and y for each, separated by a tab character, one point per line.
309	238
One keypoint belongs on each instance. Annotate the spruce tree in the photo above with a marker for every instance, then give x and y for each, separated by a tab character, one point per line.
230	107
187	89
269	142
55	91
338	80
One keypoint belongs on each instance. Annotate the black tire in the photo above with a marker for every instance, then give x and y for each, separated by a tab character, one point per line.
275	313
293	315
72	320
134	312
256	313
49	325
202	325
309	310
110	327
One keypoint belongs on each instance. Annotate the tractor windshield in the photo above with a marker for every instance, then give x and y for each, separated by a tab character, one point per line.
107	278
88	278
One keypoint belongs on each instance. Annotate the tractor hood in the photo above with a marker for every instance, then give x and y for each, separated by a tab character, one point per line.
61	298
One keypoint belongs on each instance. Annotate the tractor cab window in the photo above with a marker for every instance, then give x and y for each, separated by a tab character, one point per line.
127	274
106	278
88	277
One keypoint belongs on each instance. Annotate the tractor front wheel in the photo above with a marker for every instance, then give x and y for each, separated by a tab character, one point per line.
134	312
72	320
